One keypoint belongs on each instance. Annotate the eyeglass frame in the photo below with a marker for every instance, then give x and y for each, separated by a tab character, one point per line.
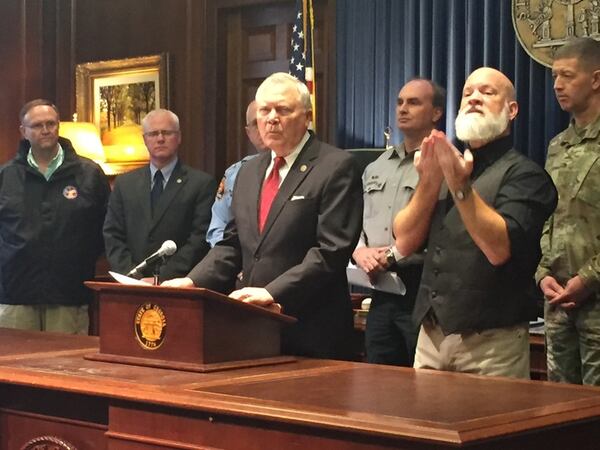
166	133
49	125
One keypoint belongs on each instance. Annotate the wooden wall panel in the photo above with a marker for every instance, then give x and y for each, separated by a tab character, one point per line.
22	48
41	42
10	75
28	56
254	41
261	44
114	29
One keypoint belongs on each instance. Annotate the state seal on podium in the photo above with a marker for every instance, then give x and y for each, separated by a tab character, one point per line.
150	326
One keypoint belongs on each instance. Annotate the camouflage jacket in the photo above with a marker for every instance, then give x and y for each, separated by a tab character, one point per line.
571	238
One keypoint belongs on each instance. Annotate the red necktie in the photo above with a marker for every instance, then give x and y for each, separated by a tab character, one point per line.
269	191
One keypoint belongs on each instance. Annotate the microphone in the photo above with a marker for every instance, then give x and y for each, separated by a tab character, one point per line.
166	249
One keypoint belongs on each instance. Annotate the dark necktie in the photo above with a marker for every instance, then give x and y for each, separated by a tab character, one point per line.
157	188
269	191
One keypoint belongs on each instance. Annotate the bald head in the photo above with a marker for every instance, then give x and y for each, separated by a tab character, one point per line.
251	113
252	128
495	78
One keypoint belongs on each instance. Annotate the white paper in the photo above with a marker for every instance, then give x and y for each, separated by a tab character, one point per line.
123	279
386	281
537	326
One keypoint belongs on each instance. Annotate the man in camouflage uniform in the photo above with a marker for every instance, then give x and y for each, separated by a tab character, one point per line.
569	272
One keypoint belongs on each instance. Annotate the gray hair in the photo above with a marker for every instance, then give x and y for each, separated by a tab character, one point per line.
37	102
282	78
157	112
586	50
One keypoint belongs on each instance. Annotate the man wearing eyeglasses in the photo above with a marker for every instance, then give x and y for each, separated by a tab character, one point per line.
221	209
52	205
165	200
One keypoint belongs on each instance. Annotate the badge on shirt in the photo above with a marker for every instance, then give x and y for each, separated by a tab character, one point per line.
221	189
374	184
70	192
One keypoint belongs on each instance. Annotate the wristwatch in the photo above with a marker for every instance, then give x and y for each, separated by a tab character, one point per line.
390	257
463	192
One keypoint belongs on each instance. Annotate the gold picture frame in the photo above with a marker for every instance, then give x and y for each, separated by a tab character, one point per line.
116	94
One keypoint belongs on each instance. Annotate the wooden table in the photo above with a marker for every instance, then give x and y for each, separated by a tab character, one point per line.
47	388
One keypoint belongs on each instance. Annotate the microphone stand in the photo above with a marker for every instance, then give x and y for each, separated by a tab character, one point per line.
157	267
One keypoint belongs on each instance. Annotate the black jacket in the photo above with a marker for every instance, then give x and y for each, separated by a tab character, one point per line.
50	231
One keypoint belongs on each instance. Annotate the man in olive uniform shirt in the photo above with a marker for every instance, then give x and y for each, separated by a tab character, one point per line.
388	185
569	272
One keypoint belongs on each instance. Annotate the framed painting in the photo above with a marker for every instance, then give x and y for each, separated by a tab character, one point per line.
115	95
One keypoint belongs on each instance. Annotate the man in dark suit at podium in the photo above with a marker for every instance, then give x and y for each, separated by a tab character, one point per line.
297	215
165	200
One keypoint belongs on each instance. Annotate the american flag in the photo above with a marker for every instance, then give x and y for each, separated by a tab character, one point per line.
302	64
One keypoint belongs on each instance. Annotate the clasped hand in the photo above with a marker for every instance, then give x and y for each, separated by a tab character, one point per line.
438	159
568	297
372	260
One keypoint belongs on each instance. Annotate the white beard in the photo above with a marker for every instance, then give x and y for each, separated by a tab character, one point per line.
477	127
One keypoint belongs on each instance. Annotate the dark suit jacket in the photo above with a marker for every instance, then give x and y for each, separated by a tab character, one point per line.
182	214
302	254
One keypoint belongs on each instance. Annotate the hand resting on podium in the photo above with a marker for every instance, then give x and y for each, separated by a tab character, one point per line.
256	296
184	282
253	295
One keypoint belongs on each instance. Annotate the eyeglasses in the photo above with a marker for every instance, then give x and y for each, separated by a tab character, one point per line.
39	126
165	133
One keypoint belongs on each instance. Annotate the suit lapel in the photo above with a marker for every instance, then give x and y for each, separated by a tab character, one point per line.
299	170
252	192
142	189
176	182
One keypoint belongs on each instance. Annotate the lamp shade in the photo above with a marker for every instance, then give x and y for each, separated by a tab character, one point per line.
125	144
85	139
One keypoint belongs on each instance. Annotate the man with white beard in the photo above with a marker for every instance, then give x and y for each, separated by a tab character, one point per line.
480	215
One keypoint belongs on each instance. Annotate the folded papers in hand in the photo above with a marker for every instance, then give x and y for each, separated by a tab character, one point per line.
386	281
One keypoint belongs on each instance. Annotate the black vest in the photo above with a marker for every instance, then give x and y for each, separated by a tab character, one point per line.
466	292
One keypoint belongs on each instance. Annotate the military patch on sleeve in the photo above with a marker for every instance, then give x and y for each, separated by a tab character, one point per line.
221	189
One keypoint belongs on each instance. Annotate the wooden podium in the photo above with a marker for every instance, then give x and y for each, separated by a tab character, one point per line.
185	329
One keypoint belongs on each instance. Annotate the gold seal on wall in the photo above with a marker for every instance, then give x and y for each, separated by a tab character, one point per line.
150	326
542	26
